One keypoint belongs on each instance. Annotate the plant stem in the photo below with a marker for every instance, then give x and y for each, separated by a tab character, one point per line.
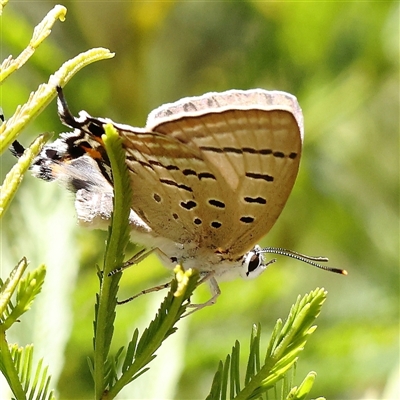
7	364
117	241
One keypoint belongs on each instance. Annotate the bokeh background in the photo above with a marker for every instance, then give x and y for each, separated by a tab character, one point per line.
341	61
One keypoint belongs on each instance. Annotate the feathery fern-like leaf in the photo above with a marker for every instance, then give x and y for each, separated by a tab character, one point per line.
114	256
8	287
15	175
28	288
287	341
142	351
25	380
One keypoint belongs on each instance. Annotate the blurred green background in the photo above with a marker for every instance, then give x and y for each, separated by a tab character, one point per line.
341	61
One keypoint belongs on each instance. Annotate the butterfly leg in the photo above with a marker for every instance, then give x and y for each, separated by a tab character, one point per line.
208	277
215	291
136	259
153	289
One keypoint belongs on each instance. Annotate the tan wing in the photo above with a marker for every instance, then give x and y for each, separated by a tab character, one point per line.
171	184
250	143
175	190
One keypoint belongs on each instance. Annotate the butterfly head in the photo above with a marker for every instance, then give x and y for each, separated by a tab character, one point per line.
254	263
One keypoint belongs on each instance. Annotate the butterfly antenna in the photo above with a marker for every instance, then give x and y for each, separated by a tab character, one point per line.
63	110
304	258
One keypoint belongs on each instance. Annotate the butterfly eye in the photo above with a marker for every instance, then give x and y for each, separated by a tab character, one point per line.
253	264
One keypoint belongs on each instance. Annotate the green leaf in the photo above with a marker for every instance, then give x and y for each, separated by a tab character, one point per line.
16	364
9	286
28	288
130	353
287	341
253	365
14	177
45	93
141	352
301	392
218	383
40	33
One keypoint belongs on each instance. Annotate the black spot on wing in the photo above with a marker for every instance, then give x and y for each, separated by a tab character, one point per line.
200	175
265	152
212	149
265	177
248	150
169	167
96	129
216	203
255	200
188	205
188	172
232	150
206	175
53	154
178	185
247	219
144	164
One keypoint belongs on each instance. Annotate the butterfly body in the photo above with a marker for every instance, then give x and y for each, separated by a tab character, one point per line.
209	174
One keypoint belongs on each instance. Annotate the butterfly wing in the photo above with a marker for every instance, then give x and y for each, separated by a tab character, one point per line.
217	169
163	193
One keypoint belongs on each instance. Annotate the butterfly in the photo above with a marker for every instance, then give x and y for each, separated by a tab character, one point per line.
210	175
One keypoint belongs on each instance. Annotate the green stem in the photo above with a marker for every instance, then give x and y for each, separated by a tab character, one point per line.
7	364
100	348
118	238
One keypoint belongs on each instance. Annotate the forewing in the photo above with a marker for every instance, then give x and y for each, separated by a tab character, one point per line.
251	143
